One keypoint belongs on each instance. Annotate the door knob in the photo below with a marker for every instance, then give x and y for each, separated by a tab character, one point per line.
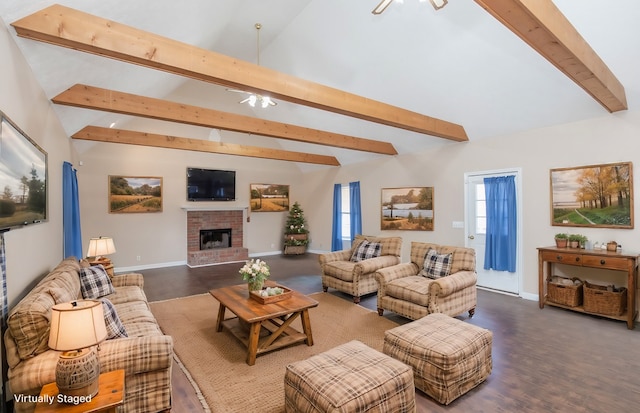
472	237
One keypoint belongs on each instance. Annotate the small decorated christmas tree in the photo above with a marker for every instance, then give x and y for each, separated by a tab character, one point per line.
296	234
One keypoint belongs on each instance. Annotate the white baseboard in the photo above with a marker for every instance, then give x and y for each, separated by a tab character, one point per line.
262	254
148	266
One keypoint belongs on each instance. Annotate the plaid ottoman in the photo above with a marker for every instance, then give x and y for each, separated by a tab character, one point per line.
449	357
350	378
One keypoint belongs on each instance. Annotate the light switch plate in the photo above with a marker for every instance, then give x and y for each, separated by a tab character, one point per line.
457	224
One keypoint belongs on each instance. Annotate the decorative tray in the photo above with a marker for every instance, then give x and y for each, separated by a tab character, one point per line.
271	298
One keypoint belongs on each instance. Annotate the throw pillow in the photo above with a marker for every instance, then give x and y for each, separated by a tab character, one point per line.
115	328
436	265
366	250
94	282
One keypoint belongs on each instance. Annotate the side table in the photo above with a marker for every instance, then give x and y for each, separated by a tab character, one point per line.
106	263
110	396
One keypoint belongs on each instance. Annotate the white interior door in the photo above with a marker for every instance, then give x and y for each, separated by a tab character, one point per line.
476	226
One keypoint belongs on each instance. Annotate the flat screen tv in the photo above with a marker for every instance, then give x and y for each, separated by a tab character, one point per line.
210	185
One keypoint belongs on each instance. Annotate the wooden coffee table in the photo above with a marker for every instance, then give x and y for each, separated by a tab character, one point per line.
263	327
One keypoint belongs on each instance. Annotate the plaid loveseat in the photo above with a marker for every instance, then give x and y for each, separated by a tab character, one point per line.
357	278
146	354
406	290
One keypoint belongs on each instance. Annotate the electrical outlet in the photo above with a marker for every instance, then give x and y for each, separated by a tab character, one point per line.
137	258
273	246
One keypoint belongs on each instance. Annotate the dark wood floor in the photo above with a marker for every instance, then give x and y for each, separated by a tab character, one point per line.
548	360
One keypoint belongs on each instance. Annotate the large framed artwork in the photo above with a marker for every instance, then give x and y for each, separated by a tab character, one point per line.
598	196
134	194
409	209
269	197
23	178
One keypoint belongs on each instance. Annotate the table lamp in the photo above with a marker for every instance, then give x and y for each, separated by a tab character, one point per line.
99	247
75	328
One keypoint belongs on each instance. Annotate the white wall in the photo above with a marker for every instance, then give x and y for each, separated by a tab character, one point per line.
159	239
33	250
610	138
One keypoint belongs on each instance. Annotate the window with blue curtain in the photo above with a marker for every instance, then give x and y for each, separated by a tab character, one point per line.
356	213
347	215
336	230
72	243
501	236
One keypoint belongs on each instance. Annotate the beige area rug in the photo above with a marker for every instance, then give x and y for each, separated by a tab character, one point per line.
216	361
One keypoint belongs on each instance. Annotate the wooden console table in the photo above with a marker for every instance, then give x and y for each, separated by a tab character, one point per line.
610	260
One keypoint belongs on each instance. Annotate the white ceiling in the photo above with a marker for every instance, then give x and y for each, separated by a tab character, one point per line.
458	64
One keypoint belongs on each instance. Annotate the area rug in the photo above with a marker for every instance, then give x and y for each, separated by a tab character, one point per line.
216	361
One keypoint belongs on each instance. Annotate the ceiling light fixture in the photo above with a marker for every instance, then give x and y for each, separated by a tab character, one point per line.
437	4
255	98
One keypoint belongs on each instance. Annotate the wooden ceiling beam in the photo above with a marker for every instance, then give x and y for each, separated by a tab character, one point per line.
90	97
541	25
77	30
110	135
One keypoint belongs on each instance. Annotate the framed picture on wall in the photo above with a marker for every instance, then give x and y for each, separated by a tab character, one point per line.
598	196
134	194
23	178
269	197
408	209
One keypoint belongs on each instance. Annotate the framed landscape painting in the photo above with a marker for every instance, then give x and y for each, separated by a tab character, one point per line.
131	194
269	197
598	196
409	209
23	178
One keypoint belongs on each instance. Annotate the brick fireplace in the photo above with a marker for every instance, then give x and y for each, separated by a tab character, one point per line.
201	222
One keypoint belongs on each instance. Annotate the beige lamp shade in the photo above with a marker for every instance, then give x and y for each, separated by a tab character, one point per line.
77	325
101	246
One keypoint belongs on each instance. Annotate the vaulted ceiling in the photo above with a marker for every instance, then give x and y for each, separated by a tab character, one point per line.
350	85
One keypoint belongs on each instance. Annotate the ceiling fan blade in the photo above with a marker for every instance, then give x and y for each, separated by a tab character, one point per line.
382	6
238	91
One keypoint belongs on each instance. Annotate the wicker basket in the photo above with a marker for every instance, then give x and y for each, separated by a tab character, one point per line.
295	249
598	300
569	295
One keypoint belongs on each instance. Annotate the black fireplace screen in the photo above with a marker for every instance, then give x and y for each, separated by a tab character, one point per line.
215	238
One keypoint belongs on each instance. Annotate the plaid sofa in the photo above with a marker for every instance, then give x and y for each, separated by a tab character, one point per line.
404	291
146	354
358	278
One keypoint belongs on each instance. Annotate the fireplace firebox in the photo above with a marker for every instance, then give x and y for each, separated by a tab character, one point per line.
215	238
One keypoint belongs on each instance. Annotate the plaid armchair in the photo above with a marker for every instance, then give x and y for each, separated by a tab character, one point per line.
446	285
357	278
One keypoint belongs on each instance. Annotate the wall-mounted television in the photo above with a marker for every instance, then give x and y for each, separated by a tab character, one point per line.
211	185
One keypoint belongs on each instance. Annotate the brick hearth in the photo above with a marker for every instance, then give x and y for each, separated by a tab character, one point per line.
220	219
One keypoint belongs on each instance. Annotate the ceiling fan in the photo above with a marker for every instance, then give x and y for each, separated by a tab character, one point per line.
437	4
255	98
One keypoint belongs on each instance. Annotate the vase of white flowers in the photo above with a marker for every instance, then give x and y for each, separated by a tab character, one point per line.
255	272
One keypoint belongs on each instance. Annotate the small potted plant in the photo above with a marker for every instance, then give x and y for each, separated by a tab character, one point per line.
574	240
561	240
583	241
255	272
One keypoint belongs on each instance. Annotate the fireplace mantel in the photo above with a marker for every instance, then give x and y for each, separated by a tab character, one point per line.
213	208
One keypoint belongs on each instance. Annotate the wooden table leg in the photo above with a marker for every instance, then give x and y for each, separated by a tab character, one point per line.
254	337
306	327
221	311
